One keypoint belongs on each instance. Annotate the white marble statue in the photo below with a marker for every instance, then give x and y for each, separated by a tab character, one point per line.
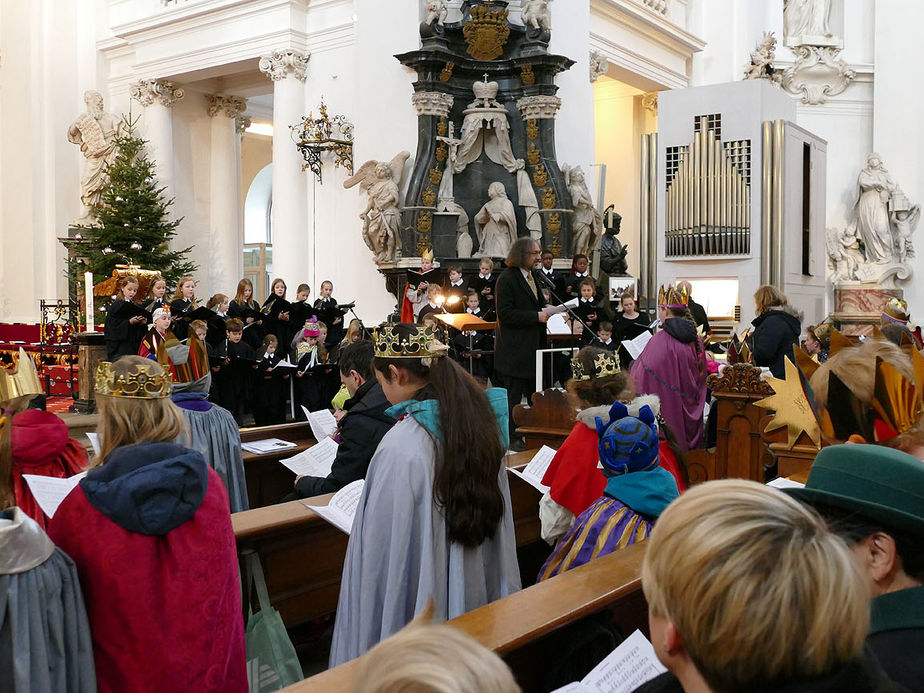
844	256
762	57
381	218
496	223
95	131
904	218
587	222
437	11
875	188
804	20
464	243
536	14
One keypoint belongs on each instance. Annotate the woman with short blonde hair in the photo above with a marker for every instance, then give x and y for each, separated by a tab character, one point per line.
747	588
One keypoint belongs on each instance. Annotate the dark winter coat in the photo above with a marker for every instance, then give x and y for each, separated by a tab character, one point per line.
519	331
364	425
776	331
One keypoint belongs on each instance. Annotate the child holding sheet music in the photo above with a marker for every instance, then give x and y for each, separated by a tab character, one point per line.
310	354
247	310
125	320
275	310
184	301
272	384
157	295
629	324
235	362
330	314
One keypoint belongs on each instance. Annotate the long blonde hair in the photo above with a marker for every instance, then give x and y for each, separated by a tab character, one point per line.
128	420
178	294
245	283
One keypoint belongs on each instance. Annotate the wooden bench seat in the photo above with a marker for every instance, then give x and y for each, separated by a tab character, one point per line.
517	627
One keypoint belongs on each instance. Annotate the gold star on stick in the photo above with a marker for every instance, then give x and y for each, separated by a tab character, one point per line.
791	407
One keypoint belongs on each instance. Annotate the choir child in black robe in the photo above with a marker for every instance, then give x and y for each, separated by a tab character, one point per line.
604	338
157	295
556	279
588	310
233	371
466	342
434	302
271	386
484	285
301	312
579	273
629	325
123	334
247	310
329	313
184	301
275	310
455	290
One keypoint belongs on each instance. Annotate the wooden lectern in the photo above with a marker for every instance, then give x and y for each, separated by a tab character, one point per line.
465	322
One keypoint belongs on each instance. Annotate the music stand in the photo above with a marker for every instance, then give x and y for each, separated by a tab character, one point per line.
465	322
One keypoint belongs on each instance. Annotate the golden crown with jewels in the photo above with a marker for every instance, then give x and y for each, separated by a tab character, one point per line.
25	381
604	364
419	342
673	297
142	384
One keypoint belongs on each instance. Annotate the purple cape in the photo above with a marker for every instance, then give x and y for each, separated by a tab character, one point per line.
670	369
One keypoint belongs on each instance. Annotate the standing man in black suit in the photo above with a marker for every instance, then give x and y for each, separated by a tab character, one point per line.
521	326
696	310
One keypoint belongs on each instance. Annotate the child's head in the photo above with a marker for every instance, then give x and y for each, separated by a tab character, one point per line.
270	343
322	332
434	292
426	264
200	328
588	288
185	289
244	291
429	320
354	331
235	329
158	287
579	263
547	258
127	286
303	292
278	287
219	303
455	273
486	265
311	331
161	319
627	302
327	288
472	301
605	330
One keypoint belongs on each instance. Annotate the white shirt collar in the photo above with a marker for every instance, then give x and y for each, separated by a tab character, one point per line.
472	312
432	304
484	276
580	274
586	300
458	283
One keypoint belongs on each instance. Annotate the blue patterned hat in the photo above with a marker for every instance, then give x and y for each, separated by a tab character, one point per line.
628	444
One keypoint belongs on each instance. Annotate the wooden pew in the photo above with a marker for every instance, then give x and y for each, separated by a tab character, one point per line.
517	627
267	480
547	420
302	554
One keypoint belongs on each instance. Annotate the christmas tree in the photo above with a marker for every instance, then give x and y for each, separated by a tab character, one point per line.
133	227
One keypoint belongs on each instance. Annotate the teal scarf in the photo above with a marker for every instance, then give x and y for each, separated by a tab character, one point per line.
646	492
427	413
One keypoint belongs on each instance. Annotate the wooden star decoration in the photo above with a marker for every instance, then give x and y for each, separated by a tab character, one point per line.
791	407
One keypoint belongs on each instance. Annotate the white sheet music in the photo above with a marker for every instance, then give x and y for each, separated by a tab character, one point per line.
561	308
533	472
50	491
315	461
341	509
636	346
557	325
783	482
623	670
261	447
94	442
322	423
285	363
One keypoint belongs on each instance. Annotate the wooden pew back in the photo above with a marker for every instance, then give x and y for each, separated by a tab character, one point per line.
267	480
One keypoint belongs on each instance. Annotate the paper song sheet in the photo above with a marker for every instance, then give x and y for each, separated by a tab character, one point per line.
341	509
533	472
94	442
636	346
315	461
557	325
261	447
561	308
783	482
322	423
626	668
50	491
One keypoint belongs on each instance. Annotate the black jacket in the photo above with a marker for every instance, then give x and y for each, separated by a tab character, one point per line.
699	316
896	636
775	332
519	332
364	425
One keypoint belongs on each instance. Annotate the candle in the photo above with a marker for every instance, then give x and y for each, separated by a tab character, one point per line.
88	297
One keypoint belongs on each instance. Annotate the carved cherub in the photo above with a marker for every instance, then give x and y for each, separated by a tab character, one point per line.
381	219
762	57
536	14
437	11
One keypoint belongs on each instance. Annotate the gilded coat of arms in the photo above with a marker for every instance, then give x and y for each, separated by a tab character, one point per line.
486	32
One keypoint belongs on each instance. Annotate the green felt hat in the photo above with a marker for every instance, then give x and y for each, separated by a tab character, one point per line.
875	482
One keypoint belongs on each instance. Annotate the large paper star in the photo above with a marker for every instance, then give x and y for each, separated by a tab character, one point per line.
791	407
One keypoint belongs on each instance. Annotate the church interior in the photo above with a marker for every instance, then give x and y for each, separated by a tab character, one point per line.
368	344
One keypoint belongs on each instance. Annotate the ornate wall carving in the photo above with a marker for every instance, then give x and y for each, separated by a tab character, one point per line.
150	91
283	63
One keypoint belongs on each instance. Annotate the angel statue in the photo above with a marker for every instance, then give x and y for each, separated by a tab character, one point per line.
381	218
587	220
905	218
437	11
536	14
761	66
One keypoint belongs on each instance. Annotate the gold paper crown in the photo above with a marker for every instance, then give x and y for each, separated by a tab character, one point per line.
672	297
427	254
141	384
25	381
604	365
897	310
420	342
823	331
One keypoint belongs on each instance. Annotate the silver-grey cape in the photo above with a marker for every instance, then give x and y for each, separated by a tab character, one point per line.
45	642
399	555
215	434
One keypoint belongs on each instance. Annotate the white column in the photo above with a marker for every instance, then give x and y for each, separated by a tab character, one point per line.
226	231
291	237
158	97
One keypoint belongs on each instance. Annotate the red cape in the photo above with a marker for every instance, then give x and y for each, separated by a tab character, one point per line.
41	445
165	611
407	308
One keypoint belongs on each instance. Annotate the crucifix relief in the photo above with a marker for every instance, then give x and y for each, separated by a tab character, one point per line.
447	196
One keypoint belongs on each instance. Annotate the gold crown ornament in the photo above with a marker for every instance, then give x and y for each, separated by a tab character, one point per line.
142	384
419	342
673	297
427	254
896	310
605	365
25	381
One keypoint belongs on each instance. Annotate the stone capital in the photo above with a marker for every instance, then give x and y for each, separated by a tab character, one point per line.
241	123
538	107
285	62
599	64
228	106
151	91
432	103
650	101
